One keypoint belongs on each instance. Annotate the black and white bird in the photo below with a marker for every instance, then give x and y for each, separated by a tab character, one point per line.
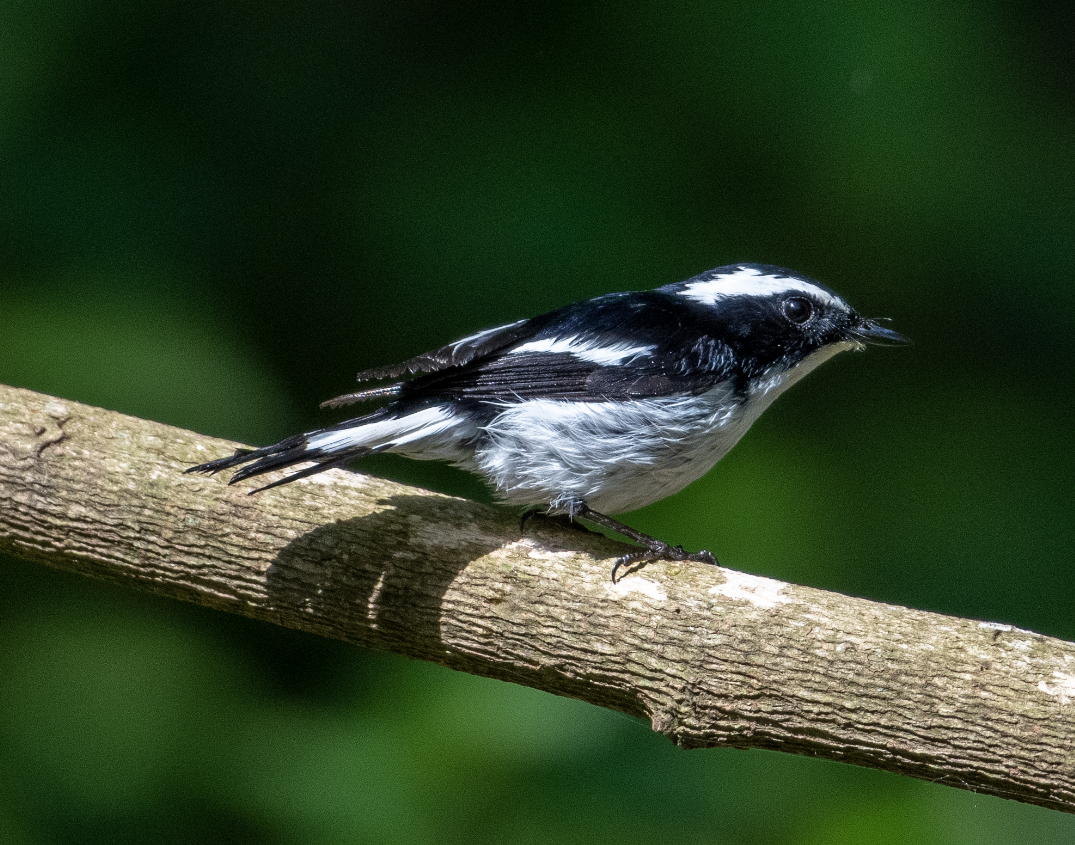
597	408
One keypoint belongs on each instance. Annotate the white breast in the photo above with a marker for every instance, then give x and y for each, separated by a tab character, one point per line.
617	456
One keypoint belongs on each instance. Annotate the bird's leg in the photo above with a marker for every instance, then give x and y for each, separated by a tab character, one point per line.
536	512
526	515
655	549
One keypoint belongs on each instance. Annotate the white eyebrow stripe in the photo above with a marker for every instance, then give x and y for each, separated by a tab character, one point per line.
595	353
749	281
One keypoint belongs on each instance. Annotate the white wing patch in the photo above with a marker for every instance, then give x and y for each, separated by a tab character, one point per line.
749	281
616	353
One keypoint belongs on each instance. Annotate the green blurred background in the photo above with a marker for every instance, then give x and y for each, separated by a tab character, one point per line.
214	214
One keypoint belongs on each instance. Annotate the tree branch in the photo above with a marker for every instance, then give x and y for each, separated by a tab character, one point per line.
710	656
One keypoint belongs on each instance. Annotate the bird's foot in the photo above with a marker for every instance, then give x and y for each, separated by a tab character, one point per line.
662	551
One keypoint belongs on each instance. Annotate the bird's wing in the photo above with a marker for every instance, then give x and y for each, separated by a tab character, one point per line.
619	347
559	375
454	355
459	353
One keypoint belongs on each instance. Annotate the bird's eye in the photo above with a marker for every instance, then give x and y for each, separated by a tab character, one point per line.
798	310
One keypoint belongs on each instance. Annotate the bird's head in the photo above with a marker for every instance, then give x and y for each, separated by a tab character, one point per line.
773	318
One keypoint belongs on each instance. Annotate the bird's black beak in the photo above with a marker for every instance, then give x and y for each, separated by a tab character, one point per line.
871	331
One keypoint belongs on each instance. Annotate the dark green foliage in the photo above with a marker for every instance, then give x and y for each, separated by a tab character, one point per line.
214	215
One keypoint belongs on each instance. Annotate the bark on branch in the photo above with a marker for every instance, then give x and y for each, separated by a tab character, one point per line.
710	656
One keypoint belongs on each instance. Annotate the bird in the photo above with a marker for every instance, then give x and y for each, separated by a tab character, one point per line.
599	407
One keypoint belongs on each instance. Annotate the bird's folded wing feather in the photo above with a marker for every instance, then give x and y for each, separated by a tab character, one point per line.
615	347
563	376
459	353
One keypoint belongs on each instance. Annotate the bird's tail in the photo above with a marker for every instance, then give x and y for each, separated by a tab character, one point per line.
325	448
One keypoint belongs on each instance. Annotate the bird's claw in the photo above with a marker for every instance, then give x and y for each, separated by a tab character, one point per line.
663	552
